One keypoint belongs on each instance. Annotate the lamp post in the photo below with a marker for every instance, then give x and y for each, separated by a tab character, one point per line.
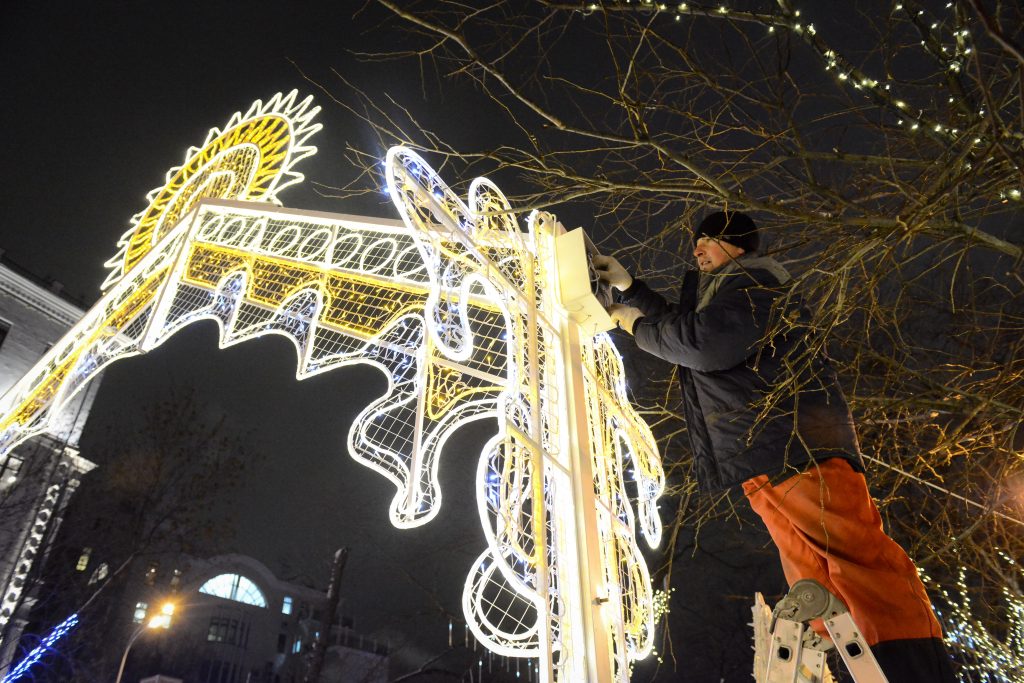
162	620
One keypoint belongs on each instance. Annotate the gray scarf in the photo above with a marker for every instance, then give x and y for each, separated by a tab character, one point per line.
709	283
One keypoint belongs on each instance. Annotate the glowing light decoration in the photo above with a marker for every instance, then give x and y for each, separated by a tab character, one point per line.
562	578
250	158
41	650
459	308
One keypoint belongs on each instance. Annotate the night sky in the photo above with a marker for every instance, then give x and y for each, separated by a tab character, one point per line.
100	100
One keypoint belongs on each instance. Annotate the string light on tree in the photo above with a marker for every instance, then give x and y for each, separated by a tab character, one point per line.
847	73
980	652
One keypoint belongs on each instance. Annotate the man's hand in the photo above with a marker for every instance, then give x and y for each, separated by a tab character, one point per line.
611	271
624	316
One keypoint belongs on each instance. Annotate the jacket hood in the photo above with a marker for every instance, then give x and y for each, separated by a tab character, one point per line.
754	261
711	282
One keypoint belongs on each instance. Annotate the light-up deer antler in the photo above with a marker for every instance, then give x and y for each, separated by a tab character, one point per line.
529	590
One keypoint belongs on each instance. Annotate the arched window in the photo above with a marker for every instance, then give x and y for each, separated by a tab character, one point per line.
234	587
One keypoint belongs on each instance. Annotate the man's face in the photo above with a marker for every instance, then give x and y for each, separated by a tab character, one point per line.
712	254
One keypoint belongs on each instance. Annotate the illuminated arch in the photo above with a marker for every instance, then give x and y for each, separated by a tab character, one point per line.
460	309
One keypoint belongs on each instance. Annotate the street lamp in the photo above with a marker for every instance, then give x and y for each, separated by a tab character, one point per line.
162	620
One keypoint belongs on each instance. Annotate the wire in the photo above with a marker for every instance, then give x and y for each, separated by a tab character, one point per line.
946	491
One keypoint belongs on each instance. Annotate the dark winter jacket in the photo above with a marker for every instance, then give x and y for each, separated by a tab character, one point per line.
715	334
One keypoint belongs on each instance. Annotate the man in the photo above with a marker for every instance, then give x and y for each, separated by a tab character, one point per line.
765	412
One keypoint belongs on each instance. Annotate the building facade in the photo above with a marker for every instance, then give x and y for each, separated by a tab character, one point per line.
37	478
234	621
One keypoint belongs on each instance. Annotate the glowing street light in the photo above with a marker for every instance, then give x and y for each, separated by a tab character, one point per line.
162	620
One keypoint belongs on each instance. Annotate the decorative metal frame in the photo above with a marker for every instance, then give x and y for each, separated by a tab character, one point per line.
460	309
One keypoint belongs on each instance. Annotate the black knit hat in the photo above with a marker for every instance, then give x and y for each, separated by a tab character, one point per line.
733	227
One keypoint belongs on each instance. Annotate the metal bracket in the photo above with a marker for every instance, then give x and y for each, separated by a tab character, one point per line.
798	653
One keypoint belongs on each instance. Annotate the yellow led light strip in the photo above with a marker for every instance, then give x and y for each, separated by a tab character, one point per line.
459	308
250	158
46	389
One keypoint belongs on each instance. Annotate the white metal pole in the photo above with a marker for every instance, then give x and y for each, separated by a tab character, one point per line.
590	647
127	649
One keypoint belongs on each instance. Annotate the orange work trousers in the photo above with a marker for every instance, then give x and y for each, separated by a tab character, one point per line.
827	528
